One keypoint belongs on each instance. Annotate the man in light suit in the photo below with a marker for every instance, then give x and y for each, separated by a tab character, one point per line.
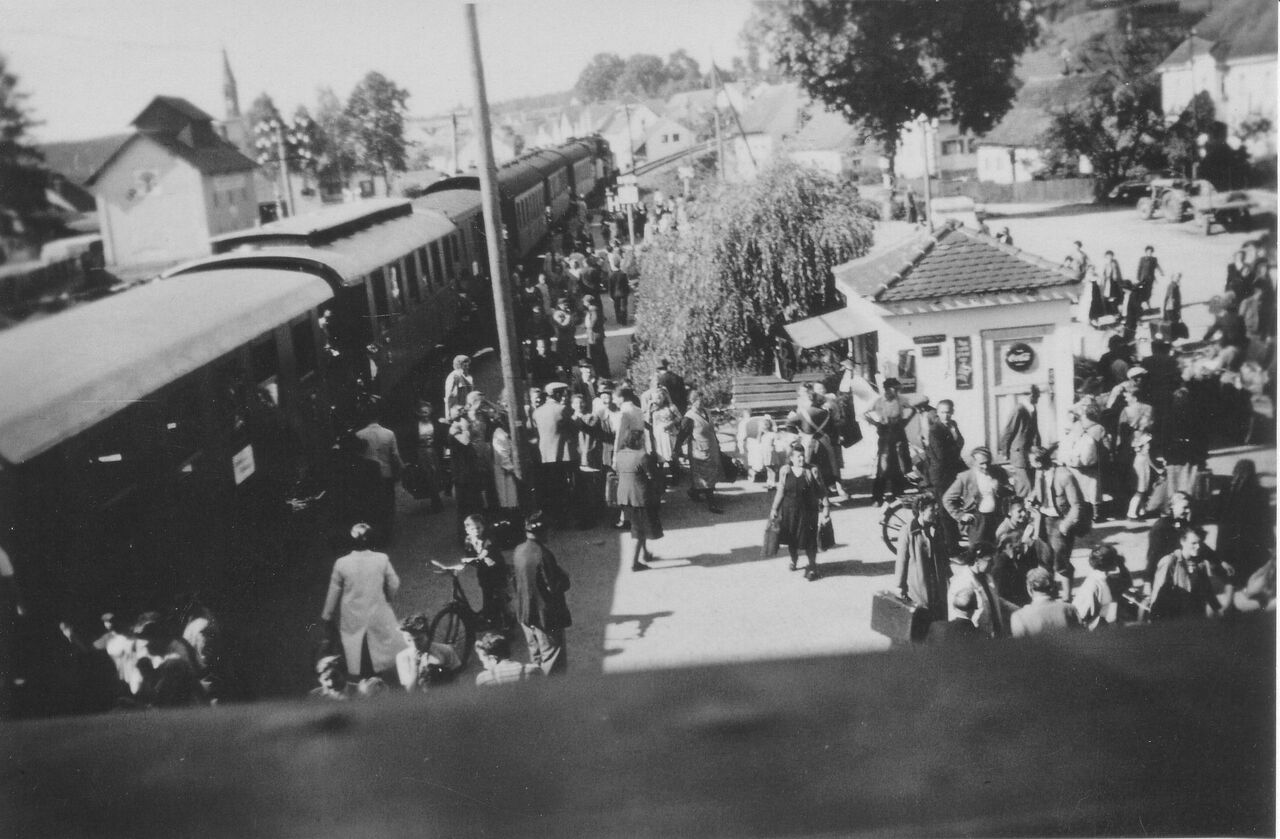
381	448
1045	613
1022	432
358	606
557	446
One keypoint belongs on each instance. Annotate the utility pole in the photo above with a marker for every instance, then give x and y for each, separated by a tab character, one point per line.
456	168
284	171
715	84
631	144
927	146
511	382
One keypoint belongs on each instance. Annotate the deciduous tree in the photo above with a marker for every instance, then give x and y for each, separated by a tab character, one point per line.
753	256
643	75
883	64
337	152
683	73
599	79
1119	125
376	110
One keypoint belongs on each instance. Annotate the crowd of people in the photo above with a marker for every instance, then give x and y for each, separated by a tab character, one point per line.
986	552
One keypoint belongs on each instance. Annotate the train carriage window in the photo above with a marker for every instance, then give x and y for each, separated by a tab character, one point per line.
411	276
182	417
264	357
305	360
381	305
437	265
450	259
395	285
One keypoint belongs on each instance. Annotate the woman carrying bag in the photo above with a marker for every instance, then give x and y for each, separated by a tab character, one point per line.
640	495
799	508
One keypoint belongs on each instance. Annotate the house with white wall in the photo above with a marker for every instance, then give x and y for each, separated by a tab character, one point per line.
171	186
1231	56
1014	150
956	315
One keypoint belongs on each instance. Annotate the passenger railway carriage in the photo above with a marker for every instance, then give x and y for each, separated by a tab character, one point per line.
148	439
139	432
531	185
395	273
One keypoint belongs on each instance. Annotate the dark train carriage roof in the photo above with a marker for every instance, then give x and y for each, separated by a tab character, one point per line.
66	373
521	175
457	182
453	203
514	177
548	161
343	260
577	150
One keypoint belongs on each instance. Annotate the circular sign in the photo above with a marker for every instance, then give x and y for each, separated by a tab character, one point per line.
1019	357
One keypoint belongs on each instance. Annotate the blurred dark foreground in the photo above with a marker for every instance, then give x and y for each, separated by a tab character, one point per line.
1146	731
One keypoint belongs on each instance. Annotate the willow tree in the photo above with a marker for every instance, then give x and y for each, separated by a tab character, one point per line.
753	257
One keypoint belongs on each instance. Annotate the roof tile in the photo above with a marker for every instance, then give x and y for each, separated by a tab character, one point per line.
953	262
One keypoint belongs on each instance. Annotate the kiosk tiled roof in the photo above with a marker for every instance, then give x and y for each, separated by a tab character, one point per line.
951	263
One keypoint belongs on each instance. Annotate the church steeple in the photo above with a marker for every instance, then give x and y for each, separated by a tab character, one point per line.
229	94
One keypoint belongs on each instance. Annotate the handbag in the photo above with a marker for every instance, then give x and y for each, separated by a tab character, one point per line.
770	541
826	536
611	489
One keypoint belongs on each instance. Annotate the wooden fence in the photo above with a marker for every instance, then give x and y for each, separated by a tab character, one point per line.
1065	190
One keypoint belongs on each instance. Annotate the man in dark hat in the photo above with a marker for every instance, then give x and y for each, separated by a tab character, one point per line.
539	601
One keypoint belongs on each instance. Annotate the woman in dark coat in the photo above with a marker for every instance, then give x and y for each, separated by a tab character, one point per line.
923	570
1245	528
799	508
595	337
640	495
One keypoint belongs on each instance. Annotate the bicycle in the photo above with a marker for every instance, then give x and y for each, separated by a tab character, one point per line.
897	515
457	623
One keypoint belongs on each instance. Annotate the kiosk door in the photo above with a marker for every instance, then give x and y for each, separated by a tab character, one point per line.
1015	360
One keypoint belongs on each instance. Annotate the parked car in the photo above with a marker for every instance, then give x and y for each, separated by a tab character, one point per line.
1129	192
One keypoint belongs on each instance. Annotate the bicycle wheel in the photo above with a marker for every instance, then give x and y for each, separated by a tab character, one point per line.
895	519
452	628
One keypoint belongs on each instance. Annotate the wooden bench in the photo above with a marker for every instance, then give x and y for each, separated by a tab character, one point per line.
769	394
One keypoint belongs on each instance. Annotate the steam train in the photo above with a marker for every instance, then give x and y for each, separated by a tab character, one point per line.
147	439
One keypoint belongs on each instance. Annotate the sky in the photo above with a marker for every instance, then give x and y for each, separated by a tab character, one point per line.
90	66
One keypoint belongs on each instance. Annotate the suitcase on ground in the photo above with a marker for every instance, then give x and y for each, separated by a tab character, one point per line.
900	620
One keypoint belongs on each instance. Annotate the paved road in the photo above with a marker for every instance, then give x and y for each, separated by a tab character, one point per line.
1049	232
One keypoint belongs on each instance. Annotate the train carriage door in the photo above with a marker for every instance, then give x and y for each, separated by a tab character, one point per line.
1014	360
